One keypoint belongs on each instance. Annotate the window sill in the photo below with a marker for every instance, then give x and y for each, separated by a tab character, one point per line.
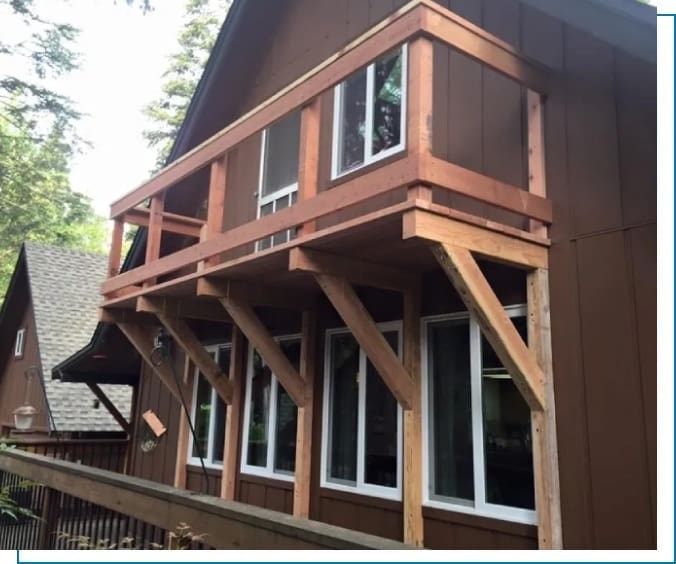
454	513
267	481
375	492
360	498
262	473
387	158
212	469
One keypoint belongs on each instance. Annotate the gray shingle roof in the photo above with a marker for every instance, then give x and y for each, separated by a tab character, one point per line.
64	286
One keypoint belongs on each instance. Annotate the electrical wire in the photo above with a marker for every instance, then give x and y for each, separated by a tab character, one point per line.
158	356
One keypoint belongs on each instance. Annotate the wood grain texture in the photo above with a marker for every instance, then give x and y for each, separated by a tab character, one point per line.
233	415
308	159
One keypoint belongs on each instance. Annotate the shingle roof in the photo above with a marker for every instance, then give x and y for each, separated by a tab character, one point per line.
64	286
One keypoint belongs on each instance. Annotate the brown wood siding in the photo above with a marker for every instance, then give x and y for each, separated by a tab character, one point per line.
12	376
600	129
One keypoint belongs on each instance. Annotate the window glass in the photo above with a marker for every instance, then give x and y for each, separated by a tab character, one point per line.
287	415
344	398
282	142
380	426
450	400
352	121
202	417
259	411
220	410
387	103
507	432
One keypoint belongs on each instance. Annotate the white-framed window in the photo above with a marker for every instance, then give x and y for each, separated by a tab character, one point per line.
369	113
476	425
209	414
362	421
20	343
270	417
278	179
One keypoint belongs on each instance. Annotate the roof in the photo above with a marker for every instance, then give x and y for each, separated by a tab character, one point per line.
64	290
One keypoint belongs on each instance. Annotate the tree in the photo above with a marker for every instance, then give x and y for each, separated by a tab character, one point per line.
37	201
202	22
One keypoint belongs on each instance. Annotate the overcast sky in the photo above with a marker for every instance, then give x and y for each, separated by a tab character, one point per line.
123	56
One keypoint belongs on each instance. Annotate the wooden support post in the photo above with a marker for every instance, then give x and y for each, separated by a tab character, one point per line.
233	414
473	288
343	297
142	341
308	160
216	202
110	406
420	89
413	453
154	236
247	320
115	257
303	473
49	518
192	347
536	155
183	439
129	455
545	450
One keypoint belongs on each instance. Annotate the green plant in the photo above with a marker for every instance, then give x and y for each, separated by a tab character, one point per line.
9	506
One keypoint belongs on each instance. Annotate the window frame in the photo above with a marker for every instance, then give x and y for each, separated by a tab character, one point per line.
360	487
336	135
286	191
479	506
208	458
269	470
20	343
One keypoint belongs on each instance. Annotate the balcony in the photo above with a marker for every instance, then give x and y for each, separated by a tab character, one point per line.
398	201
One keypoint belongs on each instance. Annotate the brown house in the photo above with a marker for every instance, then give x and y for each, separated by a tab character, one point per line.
49	313
404	254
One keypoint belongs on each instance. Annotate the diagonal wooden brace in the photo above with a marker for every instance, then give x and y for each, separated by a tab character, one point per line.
343	297
246	319
110	406
192	347
465	274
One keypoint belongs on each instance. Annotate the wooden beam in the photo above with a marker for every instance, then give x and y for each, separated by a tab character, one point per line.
173	223
346	302
247	321
142	341
110	406
382	180
459	180
545	450
183	439
473	288
255	294
186	339
303	468
496	246
234	414
216	203
420	88
359	272
536	155
115	257
308	161
183	308
413	440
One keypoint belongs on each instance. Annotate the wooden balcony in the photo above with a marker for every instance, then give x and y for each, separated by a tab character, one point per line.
416	180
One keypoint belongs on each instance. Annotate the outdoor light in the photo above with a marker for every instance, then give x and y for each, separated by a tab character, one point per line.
152	431
23	415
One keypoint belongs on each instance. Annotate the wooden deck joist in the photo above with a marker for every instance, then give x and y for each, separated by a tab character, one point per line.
182	308
253	293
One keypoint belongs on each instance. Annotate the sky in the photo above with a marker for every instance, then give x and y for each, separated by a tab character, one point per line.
123	56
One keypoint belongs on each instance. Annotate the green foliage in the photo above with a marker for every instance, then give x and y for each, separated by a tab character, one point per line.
37	201
181	538
202	21
8	505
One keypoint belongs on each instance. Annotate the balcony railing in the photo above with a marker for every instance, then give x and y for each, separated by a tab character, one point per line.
418	23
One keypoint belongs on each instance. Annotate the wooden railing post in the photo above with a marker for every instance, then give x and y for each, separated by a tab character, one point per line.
536	155
216	203
48	519
115	257
308	158
154	237
420	96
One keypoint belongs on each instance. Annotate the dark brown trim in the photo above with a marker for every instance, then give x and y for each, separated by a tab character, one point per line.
361	499
476	521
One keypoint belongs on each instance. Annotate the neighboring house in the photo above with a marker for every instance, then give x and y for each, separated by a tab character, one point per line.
315	261
49	312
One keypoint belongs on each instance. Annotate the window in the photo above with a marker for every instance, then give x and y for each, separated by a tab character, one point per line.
278	187
208	415
20	343
478	430
270	416
369	113
361	444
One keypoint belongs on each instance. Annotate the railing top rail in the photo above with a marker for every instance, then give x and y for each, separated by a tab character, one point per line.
35	441
227	524
415	18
